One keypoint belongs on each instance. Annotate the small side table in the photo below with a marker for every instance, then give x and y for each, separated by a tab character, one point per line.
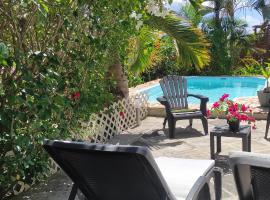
223	131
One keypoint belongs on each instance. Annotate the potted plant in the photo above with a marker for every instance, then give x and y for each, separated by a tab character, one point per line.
264	94
234	112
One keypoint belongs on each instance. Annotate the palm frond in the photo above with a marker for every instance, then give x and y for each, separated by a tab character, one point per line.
142	49
191	43
196	3
257	4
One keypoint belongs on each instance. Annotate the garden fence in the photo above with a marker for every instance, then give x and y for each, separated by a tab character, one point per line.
111	121
115	119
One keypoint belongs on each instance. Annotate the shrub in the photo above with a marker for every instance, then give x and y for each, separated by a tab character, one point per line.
49	102
52	77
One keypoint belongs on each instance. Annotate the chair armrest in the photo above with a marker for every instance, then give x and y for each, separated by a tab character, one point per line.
203	105
201	97
164	102
201	185
241	163
247	158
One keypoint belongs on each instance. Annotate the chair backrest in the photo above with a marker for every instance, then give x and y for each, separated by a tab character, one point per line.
175	90
252	175
105	172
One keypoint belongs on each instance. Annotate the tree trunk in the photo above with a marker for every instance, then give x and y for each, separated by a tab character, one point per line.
217	13
116	72
266	13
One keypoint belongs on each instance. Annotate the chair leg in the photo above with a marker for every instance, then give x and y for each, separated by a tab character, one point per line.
267	128
205	125
218	184
190	122
73	192
171	123
164	123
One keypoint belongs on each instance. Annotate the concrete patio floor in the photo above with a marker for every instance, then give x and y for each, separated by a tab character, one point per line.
189	143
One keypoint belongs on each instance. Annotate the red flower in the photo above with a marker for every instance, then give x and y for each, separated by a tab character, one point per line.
215	105
238	116
244	117
208	113
254	126
122	114
224	96
244	108
234	111
235	106
231	110
75	96
252	119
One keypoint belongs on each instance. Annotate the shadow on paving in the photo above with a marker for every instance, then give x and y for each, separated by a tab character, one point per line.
184	133
154	141
56	187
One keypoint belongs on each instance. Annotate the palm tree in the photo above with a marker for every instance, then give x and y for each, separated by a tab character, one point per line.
191	45
263	6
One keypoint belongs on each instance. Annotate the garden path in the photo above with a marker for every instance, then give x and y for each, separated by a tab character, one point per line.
189	143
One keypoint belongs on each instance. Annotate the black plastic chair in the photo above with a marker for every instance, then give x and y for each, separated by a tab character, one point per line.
175	101
252	175
110	172
267	123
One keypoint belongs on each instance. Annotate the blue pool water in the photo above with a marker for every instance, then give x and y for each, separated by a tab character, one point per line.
214	87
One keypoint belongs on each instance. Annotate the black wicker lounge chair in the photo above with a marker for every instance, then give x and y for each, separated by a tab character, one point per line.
267	123
114	172
252	175
175	101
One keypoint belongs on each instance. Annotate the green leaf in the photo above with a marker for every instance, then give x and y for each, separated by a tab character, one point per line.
4	52
43	5
193	48
142	50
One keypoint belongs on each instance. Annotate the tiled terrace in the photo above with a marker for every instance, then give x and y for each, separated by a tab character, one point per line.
189	143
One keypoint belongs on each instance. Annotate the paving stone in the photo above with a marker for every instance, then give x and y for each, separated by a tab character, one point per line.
188	143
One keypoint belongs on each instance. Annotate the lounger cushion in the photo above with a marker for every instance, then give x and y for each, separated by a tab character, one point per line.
181	174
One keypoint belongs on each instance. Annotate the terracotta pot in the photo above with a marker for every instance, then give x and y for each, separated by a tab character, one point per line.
234	125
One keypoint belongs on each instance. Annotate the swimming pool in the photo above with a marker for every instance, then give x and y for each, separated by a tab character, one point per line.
214	87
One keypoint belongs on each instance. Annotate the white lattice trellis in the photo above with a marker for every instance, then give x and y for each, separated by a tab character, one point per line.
115	119
111	121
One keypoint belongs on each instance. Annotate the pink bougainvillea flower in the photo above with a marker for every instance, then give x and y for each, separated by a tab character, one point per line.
122	114
228	116
251	119
215	105
229	103
231	109
224	96
235	106
238	116
254	126
75	96
244	117
244	108
208	113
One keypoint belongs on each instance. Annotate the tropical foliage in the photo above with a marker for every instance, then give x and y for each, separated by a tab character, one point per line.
50	81
60	61
231	44
262	6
